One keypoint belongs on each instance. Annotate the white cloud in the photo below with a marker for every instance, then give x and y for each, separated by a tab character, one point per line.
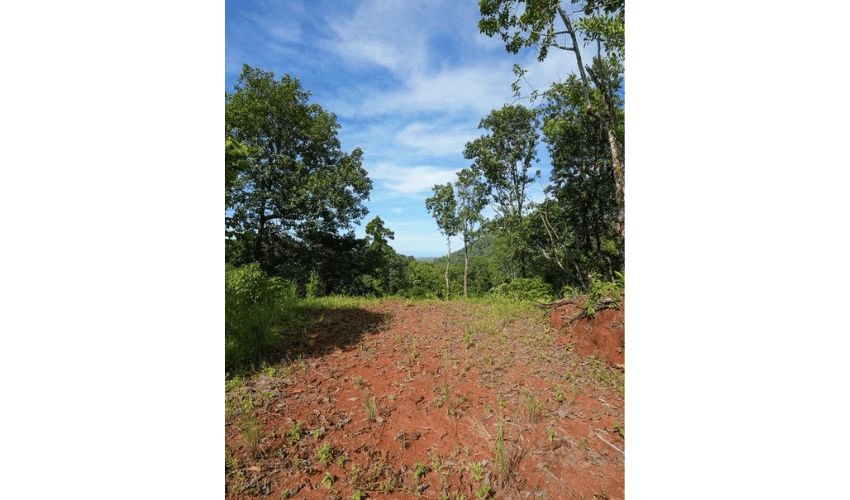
436	138
409	180
396	210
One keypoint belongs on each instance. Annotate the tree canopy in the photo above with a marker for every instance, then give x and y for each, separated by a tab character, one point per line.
296	175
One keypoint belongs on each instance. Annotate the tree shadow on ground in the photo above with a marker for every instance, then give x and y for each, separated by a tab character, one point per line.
325	330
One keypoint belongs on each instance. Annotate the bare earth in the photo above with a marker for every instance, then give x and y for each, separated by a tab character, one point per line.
435	400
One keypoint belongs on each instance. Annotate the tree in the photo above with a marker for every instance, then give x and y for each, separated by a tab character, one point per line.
525	23
443	207
380	251
471	193
577	233
297	177
503	159
235	154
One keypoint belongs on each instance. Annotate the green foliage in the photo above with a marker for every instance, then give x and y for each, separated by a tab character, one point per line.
424	280
325	454
419	470
599	290
297	178
502	159
483	492
315	287
525	290
443	207
235	154
249	426
294	433
255	307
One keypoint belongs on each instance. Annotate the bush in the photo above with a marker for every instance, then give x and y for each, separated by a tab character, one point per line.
525	290
599	290
315	286
255	306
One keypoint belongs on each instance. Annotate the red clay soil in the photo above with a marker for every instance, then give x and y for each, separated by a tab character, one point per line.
602	335
433	400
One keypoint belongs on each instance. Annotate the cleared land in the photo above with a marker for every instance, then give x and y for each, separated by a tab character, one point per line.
426	399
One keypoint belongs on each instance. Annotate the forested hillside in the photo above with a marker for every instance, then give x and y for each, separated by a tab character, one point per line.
293	195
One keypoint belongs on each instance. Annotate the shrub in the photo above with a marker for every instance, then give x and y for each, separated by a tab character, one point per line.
315	286
599	290
255	305
525	290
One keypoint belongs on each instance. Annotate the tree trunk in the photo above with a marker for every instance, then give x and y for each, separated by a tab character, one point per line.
465	267
606	119
448	260
258	249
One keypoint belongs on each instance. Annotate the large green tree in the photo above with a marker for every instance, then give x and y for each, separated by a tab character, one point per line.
577	230
503	159
381	254
443	208
543	24
297	177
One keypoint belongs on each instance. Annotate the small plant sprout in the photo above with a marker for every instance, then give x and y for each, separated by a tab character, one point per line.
419	470
468	339
483	492
358	495
371	409
551	434
295	433
328	480
477	471
325	454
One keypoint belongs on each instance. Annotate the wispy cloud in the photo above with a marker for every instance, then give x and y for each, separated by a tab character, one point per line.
410	180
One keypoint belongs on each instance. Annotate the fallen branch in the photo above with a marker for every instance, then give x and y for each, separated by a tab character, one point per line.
609	444
580	302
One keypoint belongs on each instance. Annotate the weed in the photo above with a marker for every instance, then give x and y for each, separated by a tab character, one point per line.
358	495
358	382
328	480
533	405
499	448
233	383
389	484
501	403
355	475
559	394
230	463
619	428
371	408
436	464
249	426
317	433
551	434
340	461
477	471
468	338
284	494
483	492
325	454
419	470
295	433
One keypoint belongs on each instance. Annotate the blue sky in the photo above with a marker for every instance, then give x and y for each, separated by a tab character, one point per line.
408	81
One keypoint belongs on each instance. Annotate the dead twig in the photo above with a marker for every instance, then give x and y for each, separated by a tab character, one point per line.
609	444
